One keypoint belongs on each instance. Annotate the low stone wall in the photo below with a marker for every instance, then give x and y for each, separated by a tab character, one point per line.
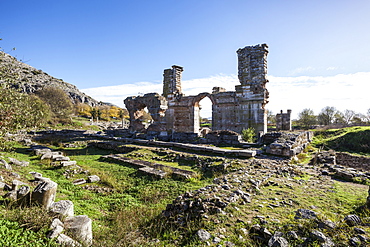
223	137
358	162
287	143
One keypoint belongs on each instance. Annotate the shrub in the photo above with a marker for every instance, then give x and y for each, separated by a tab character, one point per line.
249	135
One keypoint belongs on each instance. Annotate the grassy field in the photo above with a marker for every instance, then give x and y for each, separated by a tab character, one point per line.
125	204
351	139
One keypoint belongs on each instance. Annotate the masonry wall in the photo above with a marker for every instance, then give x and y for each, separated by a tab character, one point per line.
234	111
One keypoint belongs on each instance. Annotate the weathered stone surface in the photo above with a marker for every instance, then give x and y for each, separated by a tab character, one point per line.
36	175
152	171
55	232
156	105
56	222
93	179
59	157
23	195
68	163
243	108
277	241
283	121
16	184
79	181
5	164
64	240
287	143
39	151
203	235
80	227
63	208
305	214
353	220
44	193
17	162
49	154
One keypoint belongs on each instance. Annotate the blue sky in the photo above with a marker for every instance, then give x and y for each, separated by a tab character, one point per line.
126	45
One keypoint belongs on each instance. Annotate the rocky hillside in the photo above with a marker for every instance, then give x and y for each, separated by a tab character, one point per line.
28	79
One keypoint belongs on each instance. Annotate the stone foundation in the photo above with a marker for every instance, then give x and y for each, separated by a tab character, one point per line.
358	162
287	144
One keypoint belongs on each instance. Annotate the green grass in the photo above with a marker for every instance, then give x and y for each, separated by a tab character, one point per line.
13	235
128	212
134	200
350	139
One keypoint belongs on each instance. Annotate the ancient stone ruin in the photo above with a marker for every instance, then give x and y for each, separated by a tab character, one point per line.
283	120
173	112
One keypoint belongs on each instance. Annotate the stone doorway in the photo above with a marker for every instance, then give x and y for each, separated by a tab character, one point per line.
196	110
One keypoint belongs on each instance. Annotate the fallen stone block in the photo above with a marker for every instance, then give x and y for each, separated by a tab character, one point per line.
152	171
60	158
36	175
93	179
80	228
68	163
16	184
64	240
63	208
44	193
56	222
79	181
41	150
17	162
6	165
55	232
50	155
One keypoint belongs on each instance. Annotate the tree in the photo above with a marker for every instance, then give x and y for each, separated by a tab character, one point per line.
83	110
95	113
307	118
339	118
327	115
348	115
60	105
271	117
359	119
368	116
18	111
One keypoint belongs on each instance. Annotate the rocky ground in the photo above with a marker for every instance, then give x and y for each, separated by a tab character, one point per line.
272	202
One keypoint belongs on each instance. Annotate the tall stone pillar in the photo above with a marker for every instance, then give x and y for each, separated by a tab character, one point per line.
172	81
252	93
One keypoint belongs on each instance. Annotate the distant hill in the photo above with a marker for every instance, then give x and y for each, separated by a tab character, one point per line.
27	79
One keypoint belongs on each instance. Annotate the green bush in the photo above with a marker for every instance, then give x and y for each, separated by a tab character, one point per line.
249	135
19	111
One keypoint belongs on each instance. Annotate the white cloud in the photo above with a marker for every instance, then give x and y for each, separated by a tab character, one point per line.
343	91
301	70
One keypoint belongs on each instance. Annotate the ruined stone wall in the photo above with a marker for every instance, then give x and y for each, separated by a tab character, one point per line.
180	115
234	111
252	94
172	81
156	105
359	162
283	121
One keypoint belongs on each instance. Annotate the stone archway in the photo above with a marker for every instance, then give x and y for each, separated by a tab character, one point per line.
196	109
156	105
